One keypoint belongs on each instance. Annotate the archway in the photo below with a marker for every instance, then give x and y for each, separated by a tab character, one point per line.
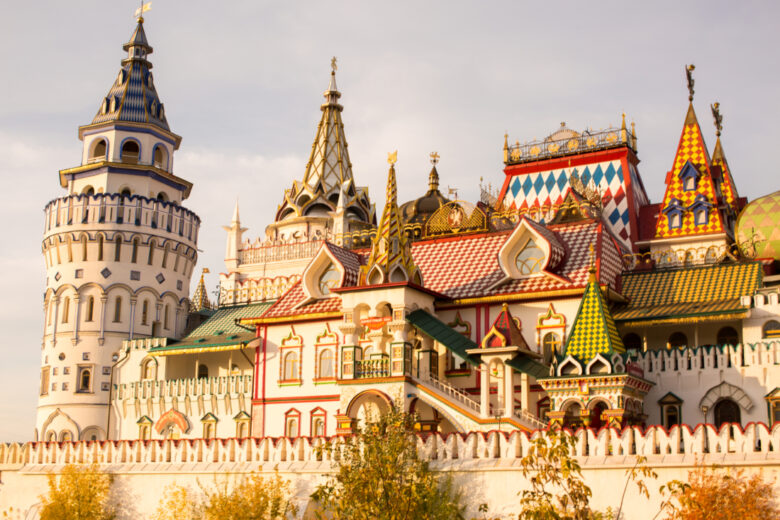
598	408
573	416
368	406
726	411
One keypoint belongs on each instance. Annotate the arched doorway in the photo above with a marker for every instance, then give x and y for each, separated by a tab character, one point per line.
727	411
573	417
595	414
368	406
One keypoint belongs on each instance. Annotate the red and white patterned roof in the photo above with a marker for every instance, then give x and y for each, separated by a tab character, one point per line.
349	260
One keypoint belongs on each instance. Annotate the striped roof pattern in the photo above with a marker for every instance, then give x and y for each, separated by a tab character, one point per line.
688	291
290	305
691	149
594	331
133	97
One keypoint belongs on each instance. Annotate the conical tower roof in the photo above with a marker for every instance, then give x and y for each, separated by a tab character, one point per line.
133	97
200	298
391	254
689	185
727	187
594	331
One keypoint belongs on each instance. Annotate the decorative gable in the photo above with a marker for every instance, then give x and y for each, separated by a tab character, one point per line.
530	250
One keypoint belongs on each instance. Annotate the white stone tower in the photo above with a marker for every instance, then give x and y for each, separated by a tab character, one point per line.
119	250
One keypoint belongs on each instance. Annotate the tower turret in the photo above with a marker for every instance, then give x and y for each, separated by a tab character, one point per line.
119	251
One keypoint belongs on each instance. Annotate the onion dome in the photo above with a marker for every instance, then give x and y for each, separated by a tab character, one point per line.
758	234
419	210
133	97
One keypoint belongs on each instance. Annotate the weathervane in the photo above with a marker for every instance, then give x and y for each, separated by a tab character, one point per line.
434	158
718	118
141	10
333	65
689	74
392	158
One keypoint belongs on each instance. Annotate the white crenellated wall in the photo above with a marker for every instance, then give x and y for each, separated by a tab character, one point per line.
485	462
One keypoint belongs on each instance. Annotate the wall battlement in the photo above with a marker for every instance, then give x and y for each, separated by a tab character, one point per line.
681	445
761	354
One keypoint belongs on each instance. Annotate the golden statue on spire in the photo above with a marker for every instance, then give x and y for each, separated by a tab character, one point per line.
718	118
392	158
333	65
434	158
689	74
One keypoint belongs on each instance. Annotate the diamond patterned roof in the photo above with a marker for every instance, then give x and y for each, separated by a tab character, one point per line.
133	97
758	223
594	331
691	149
689	291
727	187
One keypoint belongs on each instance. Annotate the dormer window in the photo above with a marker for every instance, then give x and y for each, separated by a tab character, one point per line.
689	176
329	279
701	217
701	210
674	221
674	213
530	259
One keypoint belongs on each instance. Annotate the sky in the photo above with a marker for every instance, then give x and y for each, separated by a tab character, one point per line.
242	82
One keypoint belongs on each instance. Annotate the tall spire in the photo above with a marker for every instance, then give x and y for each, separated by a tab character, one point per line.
391	254
200	299
727	187
329	169
133	97
691	199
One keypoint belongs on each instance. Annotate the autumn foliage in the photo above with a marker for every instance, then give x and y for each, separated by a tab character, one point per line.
718	494
79	493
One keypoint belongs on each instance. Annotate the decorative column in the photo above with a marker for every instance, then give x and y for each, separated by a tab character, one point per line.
484	391
133	301
56	319
509	391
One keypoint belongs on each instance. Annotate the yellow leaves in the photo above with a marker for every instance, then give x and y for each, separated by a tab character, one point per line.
79	493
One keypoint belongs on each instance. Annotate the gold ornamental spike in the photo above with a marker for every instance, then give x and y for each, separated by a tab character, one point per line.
689	75
392	158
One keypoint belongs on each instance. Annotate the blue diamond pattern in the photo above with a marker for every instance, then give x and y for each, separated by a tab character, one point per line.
550	182
598	175
625	217
563	179
585	177
527	185
538	184
610	173
515	187
614	216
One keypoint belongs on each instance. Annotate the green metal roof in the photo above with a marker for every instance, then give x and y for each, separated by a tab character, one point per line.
529	366
219	332
438	330
223	321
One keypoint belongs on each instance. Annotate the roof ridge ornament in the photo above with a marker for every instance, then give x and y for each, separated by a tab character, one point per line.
689	75
145	6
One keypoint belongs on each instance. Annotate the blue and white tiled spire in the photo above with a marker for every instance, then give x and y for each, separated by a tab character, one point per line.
132	96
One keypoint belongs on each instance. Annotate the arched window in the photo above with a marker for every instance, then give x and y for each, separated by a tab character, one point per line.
99	151
160	157
145	313
162	197
203	371
90	309
118	249
632	341
147	369
134	256
329	279
100	248
690	258
292	423
130	152
530	258
318	427
573	416
711	256
326	364
551	346
88	191
118	309
291	366
51	436
166	250
771	330
85	380
728	336
66	436
84	248
677	340
65	309
145	432
726	411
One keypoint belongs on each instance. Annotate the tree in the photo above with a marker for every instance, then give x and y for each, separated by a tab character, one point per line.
80	493
380	476
558	489
716	494
251	498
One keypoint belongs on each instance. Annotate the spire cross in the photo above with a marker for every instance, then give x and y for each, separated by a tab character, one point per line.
718	118
435	158
689	75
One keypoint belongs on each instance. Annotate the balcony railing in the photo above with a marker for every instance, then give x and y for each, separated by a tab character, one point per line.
279	252
372	368
586	141
191	387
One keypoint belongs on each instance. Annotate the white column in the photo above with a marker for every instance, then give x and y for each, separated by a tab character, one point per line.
133	301
525	397
509	391
56	319
484	391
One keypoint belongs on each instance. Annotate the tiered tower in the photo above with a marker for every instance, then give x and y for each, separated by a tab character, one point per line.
119	250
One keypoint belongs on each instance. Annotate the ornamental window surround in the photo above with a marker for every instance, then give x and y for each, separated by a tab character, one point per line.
530	258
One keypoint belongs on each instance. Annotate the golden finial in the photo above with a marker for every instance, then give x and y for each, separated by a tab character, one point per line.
392	158
334	67
718	118
623	124
435	158
592	254
689	75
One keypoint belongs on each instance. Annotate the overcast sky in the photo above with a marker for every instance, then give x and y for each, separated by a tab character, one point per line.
242	83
